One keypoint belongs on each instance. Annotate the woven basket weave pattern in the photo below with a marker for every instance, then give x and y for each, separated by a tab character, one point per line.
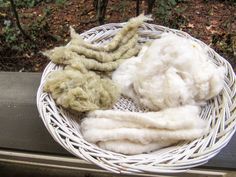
219	112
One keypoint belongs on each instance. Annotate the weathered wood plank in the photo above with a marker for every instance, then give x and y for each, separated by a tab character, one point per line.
23	163
20	125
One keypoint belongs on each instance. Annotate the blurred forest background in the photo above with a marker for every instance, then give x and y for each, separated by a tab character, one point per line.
45	24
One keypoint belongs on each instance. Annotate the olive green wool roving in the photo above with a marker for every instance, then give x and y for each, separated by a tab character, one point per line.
62	55
121	38
81	92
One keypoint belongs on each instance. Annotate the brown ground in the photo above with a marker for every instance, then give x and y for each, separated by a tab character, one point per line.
213	22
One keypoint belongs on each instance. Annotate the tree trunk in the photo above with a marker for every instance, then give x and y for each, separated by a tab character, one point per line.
150	6
100	6
13	6
137	7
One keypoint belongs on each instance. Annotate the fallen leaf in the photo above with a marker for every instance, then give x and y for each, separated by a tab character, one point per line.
209	27
190	25
212	31
214	22
3	14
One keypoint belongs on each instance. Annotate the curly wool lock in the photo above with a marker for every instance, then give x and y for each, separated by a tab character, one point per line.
81	92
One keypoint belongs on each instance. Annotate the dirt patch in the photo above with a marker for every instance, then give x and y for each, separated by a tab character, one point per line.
213	22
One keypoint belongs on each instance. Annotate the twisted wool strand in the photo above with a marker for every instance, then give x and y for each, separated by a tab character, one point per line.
62	55
126	49
77	40
131	52
105	56
91	64
81	92
133	23
122	37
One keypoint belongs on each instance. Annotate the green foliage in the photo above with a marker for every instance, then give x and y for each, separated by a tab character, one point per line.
20	3
14	39
29	3
225	43
38	30
10	33
38	27
231	1
4	3
121	7
25	3
47	11
60	2
11	37
169	14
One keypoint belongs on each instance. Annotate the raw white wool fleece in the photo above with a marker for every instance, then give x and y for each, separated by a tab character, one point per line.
133	132
173	118
173	71
130	148
124	76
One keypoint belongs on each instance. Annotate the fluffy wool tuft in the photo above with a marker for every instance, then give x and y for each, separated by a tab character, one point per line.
173	71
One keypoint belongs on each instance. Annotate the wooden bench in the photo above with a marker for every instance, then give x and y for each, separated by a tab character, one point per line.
27	148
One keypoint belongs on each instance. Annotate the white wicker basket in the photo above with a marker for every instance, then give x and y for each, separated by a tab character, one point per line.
220	113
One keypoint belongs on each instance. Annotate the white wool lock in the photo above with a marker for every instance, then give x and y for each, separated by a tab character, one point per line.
135	132
173	71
